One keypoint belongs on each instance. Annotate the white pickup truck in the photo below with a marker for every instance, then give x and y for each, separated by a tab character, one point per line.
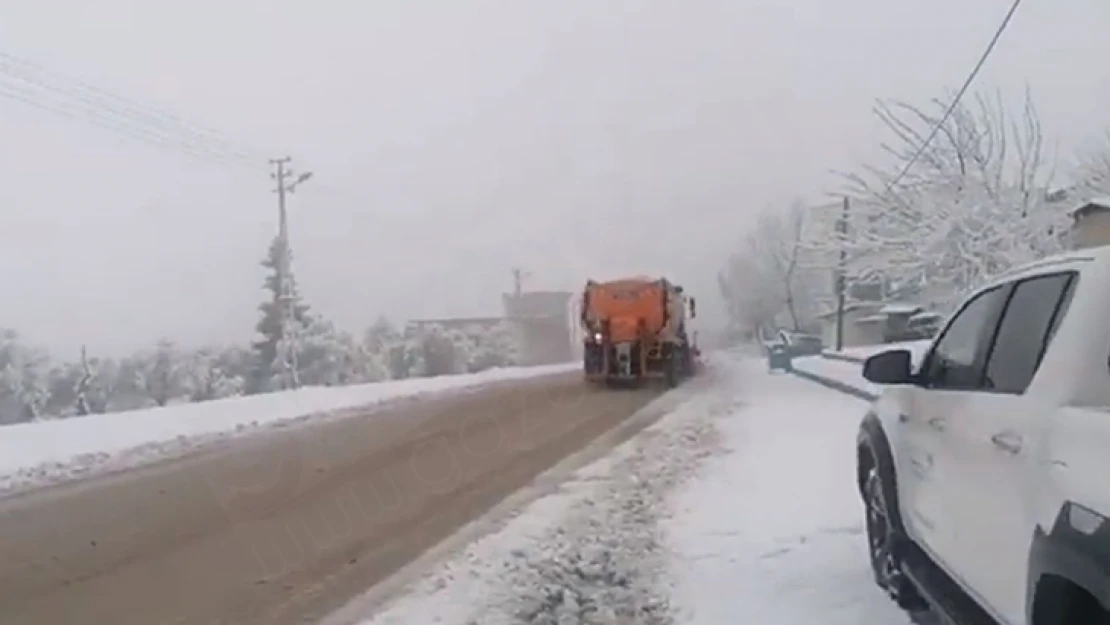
985	467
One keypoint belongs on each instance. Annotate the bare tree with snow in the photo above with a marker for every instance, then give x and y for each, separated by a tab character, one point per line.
771	272
973	204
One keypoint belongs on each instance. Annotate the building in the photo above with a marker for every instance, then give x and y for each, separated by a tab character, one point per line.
544	325
1091	224
863	325
462	324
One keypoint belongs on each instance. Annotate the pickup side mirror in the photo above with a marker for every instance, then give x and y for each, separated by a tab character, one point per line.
890	367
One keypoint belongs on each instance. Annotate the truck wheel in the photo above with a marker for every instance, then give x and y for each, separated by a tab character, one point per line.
881	540
671	373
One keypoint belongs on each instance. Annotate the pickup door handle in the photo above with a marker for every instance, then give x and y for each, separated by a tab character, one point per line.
1010	442
937	423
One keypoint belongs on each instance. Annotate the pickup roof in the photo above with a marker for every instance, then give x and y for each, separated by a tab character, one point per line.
985	468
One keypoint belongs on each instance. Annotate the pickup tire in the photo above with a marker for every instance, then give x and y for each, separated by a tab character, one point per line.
886	538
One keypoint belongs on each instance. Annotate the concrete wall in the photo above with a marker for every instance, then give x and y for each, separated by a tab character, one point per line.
543	324
543	340
856	333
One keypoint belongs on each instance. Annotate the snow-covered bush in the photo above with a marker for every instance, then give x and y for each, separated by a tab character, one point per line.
213	374
31	387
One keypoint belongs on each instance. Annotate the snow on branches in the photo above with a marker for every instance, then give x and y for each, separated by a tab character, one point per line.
973	204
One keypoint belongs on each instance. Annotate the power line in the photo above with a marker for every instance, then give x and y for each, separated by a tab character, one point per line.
113	124
31	72
959	95
28	83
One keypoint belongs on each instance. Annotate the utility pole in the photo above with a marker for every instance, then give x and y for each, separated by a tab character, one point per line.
287	303
518	281
841	269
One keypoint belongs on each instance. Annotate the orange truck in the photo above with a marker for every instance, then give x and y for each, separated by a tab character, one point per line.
635	329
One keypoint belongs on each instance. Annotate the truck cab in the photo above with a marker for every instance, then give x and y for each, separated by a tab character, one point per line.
984	469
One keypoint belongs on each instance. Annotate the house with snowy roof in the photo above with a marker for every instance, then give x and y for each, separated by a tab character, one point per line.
1091	224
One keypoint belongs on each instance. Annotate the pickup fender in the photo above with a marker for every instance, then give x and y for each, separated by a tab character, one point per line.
1076	548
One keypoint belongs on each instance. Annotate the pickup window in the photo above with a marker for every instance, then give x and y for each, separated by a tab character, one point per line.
1028	324
957	360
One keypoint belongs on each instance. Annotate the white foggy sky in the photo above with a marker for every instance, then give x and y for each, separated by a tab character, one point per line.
452	140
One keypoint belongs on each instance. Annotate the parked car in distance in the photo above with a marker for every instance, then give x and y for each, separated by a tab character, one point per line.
801	344
778	356
983	471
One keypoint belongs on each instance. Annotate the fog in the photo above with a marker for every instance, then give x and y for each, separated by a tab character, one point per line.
453	141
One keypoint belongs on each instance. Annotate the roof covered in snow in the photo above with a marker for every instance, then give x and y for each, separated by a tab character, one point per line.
871	319
1092	205
899	309
851	307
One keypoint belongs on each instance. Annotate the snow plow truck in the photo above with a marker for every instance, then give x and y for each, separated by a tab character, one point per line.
635	330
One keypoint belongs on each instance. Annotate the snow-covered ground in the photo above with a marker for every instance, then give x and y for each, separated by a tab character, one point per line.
739	506
47	452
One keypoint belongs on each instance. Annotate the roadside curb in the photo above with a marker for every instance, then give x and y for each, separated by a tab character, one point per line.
835	385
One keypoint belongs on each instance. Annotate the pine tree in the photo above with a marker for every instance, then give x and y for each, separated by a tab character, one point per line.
267	359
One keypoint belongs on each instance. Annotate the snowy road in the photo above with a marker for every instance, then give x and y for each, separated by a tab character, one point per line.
737	507
286	526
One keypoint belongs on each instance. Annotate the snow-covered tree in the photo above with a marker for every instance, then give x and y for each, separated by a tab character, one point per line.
101	377
325	355
493	347
405	357
211	374
80	388
438	353
363	365
268	349
381	335
974	203
24	381
773	272
161	374
753	300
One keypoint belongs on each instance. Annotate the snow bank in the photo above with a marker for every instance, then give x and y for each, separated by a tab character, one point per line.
917	349
591	554
838	371
772	532
45	452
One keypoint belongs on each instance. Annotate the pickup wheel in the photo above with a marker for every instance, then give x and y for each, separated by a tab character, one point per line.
882	540
879	530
